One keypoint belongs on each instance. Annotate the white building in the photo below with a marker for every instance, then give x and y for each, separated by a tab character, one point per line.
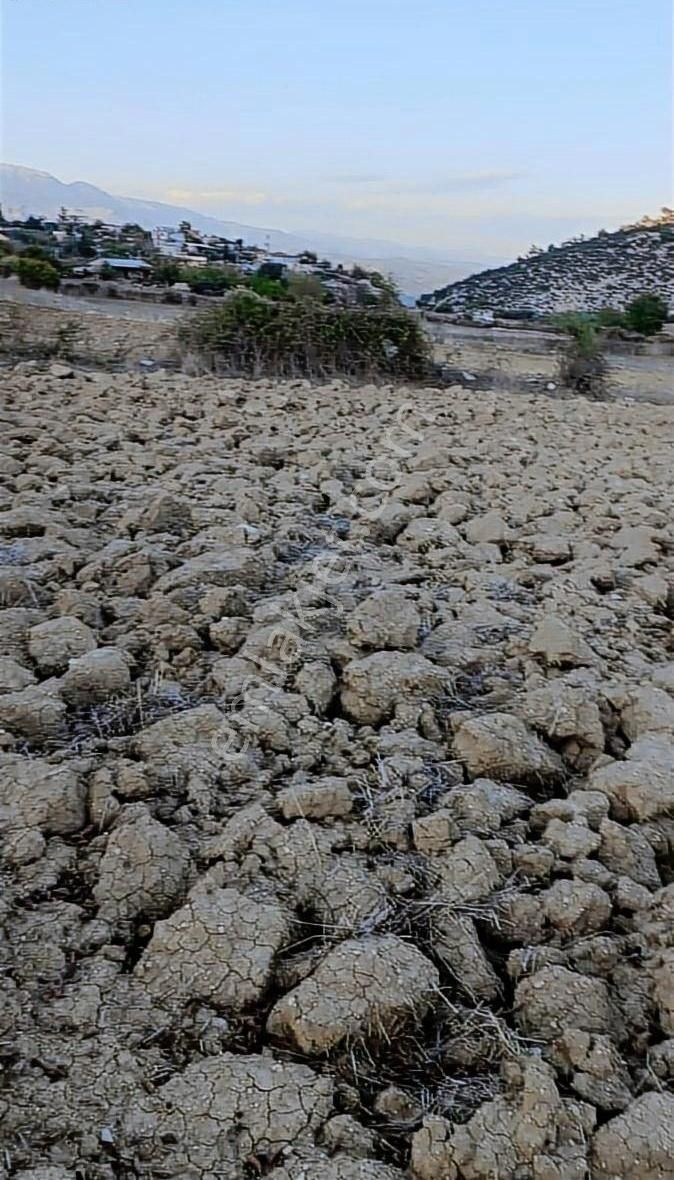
168	241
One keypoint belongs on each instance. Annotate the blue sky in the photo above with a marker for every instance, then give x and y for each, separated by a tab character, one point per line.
469	125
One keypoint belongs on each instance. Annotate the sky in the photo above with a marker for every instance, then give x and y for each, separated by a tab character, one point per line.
471	126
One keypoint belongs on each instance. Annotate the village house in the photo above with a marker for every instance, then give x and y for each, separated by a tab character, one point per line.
124	268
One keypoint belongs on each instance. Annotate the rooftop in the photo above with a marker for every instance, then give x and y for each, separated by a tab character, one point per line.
121	264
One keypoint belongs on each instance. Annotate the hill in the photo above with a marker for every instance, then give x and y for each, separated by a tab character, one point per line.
25	191
585	274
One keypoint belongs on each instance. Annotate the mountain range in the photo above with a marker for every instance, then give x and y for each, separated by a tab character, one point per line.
26	191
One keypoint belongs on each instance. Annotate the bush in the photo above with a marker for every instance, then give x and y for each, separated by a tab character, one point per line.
210	280
251	336
36	273
267	287
647	314
582	364
166	272
610	317
38	252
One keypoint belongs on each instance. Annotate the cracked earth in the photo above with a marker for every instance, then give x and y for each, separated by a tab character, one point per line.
336	782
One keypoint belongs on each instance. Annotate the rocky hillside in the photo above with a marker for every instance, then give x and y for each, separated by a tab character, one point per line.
336	795
606	271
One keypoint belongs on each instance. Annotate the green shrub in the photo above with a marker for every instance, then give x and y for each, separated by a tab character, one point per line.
582	328
267	287
582	365
610	317
647	314
38	252
251	336
36	273
166	272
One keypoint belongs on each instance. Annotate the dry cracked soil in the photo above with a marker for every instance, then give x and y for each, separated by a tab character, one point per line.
336	782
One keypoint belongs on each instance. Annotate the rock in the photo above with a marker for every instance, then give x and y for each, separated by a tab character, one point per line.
387	619
23	846
530	1131
34	794
435	833
600	1076
94	677
484	806
235	567
345	896
203	726
219	949
548	549
266	1104
343	1134
558	645
426	533
456	944
363	986
165	514
636	546
142	872
501	746
490	529
317	682
432	1153
61	372
228	634
555	998
638	1144
571	840
53	644
663	677
322	799
13	676
468	873
647	710
625	850
567	711
397	1106
642	786
584	808
342	1167
372	687
576	908
663	990
33	713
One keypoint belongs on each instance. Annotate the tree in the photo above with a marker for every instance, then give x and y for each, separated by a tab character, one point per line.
36	273
37	252
309	257
647	314
386	284
210	280
166	272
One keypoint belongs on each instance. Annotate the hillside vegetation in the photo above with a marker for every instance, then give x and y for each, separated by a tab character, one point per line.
582	275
